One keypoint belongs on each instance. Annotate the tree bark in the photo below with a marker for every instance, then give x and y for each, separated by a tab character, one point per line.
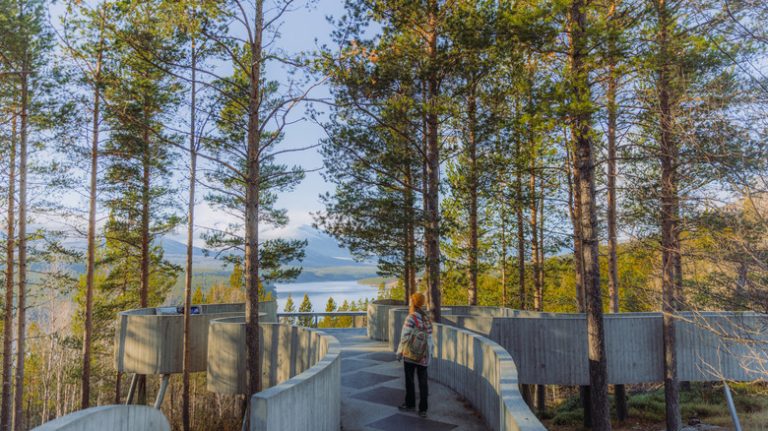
410	241
252	197
21	312
472	153
668	153
5	417
146	162
91	258
503	250
541	390
588	218
535	264
520	227
425	186
433	167
619	391
190	240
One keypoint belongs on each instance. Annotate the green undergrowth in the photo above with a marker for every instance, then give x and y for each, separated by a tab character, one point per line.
703	401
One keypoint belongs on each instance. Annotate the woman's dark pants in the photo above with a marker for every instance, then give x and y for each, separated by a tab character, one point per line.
410	395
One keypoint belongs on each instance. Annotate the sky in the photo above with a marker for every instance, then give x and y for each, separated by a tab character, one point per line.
302	29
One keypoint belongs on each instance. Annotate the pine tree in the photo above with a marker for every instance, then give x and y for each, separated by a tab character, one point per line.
290	307
328	321
580	108
138	157
306	307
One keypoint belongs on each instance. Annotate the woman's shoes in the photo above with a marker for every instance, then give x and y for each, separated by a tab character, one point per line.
404	408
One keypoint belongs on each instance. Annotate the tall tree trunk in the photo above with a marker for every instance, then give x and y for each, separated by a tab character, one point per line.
535	264
410	241
619	391
5	417
91	259
520	226
146	165
425	185
503	217
433	166
22	312
668	153
252	196
541	390
574	199
472	153
588	218
190	240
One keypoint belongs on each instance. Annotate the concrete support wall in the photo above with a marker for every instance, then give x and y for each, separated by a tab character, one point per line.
112	418
378	317
301	374
551	348
309	401
151	341
286	351
484	373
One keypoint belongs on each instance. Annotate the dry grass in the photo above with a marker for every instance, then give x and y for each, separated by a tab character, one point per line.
703	401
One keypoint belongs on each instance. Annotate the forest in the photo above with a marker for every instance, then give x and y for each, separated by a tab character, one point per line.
591	156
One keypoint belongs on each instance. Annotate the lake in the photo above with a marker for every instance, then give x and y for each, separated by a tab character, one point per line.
319	292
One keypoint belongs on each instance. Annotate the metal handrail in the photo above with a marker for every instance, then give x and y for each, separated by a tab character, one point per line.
314	316
320	313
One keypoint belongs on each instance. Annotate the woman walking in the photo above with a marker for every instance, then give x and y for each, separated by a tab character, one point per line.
415	350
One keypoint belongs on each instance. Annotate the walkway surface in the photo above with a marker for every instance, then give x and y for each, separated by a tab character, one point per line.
372	386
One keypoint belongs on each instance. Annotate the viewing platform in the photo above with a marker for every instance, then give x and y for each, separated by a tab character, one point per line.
348	378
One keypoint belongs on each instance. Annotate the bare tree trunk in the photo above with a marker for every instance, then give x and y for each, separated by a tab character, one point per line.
669	223
433	168
425	186
252	196
59	389
410	246
535	264
190	241
118	380
141	382
541	390
472	150
503	218
574	208
91	263
21	313
588	219
520	227
5	418
619	391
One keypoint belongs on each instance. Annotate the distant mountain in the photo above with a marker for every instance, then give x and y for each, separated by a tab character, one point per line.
322	251
325	260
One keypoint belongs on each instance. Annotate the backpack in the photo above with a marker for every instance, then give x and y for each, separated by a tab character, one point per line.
416	345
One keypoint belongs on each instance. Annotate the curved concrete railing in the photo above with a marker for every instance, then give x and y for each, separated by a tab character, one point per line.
484	373
397	317
113	418
151	340
378	317
301	374
551	348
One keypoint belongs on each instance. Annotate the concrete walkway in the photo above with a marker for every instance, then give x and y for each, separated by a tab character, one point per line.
372	386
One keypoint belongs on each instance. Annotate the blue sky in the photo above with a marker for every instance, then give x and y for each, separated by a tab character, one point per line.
302	29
